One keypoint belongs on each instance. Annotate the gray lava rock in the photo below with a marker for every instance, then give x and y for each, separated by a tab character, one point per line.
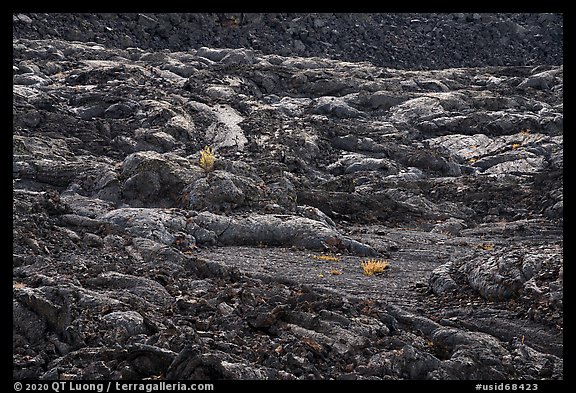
544	80
131	321
140	287
30	79
483	39
130	261
28	323
417	109
192	364
499	277
155	224
279	230
336	107
441	280
351	163
154	179
150	360
451	226
221	190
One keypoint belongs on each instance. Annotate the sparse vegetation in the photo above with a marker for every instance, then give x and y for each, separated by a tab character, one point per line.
325	258
207	159
18	285
373	266
487	246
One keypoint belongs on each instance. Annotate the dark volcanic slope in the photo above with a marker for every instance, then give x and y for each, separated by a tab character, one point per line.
405	41
132	261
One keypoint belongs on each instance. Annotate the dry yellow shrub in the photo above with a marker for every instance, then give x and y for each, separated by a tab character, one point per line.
373	266
207	159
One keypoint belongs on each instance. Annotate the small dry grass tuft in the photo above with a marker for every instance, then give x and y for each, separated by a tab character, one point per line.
18	285
207	159
325	258
373	266
488	246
